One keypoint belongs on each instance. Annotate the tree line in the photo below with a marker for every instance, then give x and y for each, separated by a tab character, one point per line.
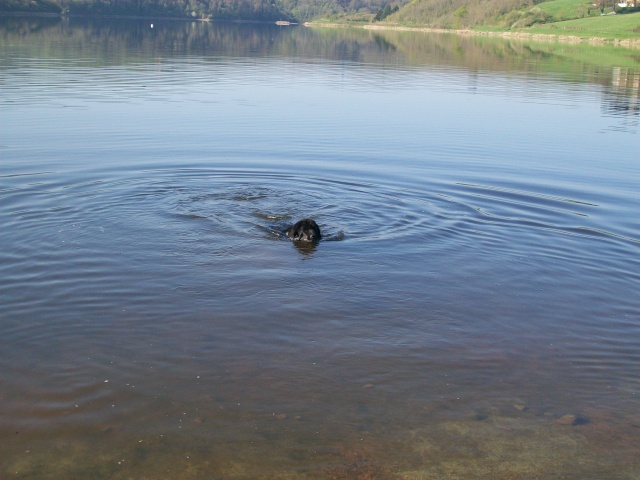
264	10
213	9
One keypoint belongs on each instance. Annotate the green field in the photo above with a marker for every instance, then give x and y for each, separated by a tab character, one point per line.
608	26
581	18
569	9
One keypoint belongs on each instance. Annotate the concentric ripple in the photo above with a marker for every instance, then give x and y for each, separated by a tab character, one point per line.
257	204
250	204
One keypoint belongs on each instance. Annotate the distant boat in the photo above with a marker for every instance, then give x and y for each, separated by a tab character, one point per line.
283	22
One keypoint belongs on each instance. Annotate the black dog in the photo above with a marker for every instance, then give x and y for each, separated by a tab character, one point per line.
304	231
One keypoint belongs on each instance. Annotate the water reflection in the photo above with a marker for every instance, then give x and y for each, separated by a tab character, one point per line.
128	41
305	248
83	42
622	99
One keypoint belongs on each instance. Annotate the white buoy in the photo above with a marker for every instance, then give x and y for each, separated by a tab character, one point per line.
152	25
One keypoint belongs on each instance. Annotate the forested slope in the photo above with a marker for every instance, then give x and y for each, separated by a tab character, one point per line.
299	10
458	13
223	9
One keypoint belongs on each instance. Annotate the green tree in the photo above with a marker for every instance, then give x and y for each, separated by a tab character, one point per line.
385	12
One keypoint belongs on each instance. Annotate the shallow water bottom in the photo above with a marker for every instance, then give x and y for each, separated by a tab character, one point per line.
487	445
265	428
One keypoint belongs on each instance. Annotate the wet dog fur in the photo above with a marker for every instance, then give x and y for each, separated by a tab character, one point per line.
305	230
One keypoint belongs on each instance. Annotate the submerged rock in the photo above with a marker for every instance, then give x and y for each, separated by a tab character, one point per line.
567	419
572	419
581	420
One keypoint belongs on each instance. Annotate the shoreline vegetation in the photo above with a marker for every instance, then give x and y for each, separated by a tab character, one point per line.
592	22
508	34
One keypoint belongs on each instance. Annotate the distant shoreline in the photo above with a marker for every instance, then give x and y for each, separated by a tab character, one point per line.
538	37
632	43
144	17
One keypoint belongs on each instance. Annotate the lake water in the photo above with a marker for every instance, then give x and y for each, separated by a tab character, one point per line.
471	313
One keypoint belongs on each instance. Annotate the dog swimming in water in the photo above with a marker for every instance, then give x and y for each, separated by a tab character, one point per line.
305	230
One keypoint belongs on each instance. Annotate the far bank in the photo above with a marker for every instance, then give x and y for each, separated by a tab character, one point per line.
537	34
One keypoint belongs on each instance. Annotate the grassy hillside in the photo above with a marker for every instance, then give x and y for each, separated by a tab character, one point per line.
457	13
560	10
608	26
504	13
552	11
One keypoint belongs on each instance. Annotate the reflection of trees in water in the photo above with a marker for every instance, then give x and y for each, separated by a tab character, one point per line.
123	41
132	41
622	99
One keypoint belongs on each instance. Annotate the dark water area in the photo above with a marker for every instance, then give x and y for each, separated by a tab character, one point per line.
472	311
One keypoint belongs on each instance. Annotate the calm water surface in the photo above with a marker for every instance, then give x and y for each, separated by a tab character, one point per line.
473	310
